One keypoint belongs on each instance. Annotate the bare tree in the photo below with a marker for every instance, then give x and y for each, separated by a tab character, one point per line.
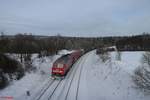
142	73
146	58
104	56
118	56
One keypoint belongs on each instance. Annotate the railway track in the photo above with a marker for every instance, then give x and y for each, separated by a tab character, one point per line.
78	85
50	96
72	78
68	75
52	86
66	97
44	89
78	82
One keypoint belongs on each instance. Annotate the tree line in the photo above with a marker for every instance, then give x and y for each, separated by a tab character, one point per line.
28	43
134	43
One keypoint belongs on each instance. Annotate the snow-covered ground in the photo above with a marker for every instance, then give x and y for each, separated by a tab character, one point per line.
129	60
33	81
111	80
90	79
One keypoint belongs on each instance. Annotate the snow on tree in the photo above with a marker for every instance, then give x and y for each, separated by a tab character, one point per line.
142	73
104	56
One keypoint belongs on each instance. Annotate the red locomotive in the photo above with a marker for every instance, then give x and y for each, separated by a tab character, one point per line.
62	65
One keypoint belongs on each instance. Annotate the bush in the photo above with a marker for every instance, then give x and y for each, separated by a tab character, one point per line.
146	58
10	67
104	56
118	56
19	73
142	78
142	73
3	81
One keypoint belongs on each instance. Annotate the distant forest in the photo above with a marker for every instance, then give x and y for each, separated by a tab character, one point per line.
28	43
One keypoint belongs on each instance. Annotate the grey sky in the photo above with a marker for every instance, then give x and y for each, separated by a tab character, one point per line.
75	17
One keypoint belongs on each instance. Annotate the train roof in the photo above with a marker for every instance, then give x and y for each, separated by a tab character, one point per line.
63	59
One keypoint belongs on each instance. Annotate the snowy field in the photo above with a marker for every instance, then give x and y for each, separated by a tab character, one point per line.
111	80
90	79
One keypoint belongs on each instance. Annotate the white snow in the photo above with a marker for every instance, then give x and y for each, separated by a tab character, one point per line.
111	80
129	60
62	52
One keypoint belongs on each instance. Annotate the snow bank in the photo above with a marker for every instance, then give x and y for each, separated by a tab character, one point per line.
111	80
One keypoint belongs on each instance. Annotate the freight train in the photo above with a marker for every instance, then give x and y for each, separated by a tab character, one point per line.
62	65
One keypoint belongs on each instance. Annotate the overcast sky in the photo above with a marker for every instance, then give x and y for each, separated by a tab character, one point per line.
75	17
